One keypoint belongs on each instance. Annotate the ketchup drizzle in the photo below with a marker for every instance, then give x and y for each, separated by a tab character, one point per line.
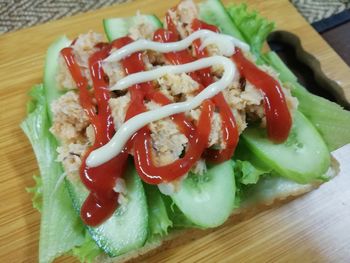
278	117
178	57
197	143
142	141
171	25
228	126
102	200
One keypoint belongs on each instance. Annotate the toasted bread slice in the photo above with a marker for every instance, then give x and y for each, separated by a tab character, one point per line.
268	193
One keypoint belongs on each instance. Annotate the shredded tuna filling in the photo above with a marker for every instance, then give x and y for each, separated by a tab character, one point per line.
71	125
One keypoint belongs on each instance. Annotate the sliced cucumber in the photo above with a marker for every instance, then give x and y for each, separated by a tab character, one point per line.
208	200
213	12
127	229
302	157
52	91
119	27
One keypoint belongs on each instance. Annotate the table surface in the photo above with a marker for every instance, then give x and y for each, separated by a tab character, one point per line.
313	228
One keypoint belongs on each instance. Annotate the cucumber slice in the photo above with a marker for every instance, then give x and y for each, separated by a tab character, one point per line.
127	229
52	91
213	12
208	200
119	27
302	157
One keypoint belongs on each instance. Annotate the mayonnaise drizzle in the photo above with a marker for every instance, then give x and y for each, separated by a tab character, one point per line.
226	45
149	75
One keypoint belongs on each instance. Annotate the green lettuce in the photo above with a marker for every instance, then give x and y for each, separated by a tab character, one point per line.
247	174
253	27
37	191
61	228
87	251
329	118
159	222
179	220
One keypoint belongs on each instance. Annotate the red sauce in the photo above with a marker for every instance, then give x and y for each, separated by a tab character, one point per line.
171	25
133	64
183	124
278	118
102	200
141	140
178	57
228	127
203	76
197	143
80	81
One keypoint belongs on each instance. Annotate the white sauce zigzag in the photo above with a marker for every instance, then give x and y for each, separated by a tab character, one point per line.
226	45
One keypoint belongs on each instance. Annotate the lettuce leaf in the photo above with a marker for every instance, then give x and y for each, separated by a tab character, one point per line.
253	27
61	228
87	251
179	220
37	191
247	174
159	222
330	119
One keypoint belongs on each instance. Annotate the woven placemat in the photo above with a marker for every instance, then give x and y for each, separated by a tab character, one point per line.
17	14
316	10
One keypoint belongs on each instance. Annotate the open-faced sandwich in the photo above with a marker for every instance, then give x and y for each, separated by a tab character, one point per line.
170	126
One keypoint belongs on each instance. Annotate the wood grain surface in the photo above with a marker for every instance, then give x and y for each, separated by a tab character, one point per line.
313	228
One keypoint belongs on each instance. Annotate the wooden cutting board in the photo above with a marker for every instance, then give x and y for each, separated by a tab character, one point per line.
313	228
